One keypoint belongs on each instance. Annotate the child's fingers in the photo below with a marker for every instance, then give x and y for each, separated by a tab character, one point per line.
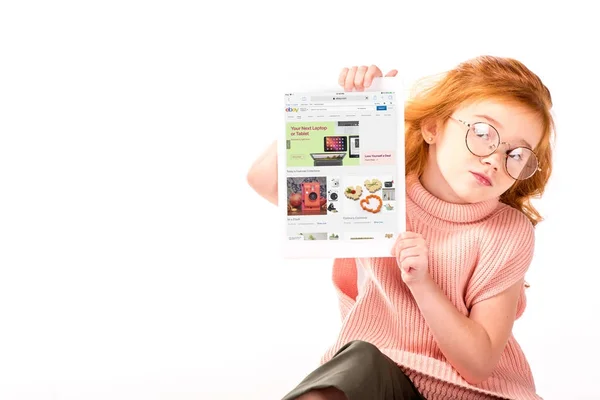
342	77
359	78
408	243
409	253
409	234
349	84
372	72
403	243
407	240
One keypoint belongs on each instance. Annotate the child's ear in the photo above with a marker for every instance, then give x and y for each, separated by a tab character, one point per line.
429	130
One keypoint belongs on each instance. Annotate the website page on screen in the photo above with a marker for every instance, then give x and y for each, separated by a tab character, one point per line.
342	166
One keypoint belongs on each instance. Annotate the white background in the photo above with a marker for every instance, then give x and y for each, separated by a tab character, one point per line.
135	262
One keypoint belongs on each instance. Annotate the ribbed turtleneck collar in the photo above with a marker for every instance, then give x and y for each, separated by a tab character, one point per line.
451	212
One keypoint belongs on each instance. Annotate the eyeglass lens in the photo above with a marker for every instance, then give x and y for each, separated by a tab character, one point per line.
483	140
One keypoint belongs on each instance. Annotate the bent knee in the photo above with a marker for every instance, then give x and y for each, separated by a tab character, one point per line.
364	349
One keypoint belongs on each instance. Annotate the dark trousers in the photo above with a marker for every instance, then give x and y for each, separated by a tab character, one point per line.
361	372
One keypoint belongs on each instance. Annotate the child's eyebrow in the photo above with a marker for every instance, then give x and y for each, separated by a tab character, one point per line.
499	125
490	119
526	143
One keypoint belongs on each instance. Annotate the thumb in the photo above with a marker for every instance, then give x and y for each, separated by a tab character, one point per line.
392	73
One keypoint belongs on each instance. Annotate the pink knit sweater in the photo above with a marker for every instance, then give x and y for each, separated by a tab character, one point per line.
476	252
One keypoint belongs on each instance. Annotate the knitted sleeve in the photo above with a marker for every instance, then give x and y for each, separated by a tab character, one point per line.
345	281
506	257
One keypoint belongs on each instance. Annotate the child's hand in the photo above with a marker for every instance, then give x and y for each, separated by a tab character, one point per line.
360	78
412	256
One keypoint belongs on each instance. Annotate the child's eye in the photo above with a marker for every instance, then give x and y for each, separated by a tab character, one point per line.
516	155
482	131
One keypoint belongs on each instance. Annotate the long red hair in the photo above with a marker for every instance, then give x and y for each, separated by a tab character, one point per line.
484	77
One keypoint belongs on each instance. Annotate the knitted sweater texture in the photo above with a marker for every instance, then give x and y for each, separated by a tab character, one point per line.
476	252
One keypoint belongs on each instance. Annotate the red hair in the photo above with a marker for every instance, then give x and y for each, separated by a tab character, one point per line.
484	77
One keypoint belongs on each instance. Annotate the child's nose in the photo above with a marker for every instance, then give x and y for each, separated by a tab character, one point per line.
495	160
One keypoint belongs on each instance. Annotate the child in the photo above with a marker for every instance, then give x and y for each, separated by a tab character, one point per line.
435	319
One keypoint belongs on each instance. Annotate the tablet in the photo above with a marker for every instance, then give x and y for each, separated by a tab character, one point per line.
341	174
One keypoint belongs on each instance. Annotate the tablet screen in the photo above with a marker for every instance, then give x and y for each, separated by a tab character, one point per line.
335	143
341	172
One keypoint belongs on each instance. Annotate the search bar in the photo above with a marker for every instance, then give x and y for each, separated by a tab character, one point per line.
343	108
341	98
333	105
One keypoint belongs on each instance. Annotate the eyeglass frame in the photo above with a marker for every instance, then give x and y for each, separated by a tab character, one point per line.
469	125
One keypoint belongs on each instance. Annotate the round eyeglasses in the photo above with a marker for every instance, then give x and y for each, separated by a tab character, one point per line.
482	140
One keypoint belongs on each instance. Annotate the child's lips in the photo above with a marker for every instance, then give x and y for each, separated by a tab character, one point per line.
483	179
